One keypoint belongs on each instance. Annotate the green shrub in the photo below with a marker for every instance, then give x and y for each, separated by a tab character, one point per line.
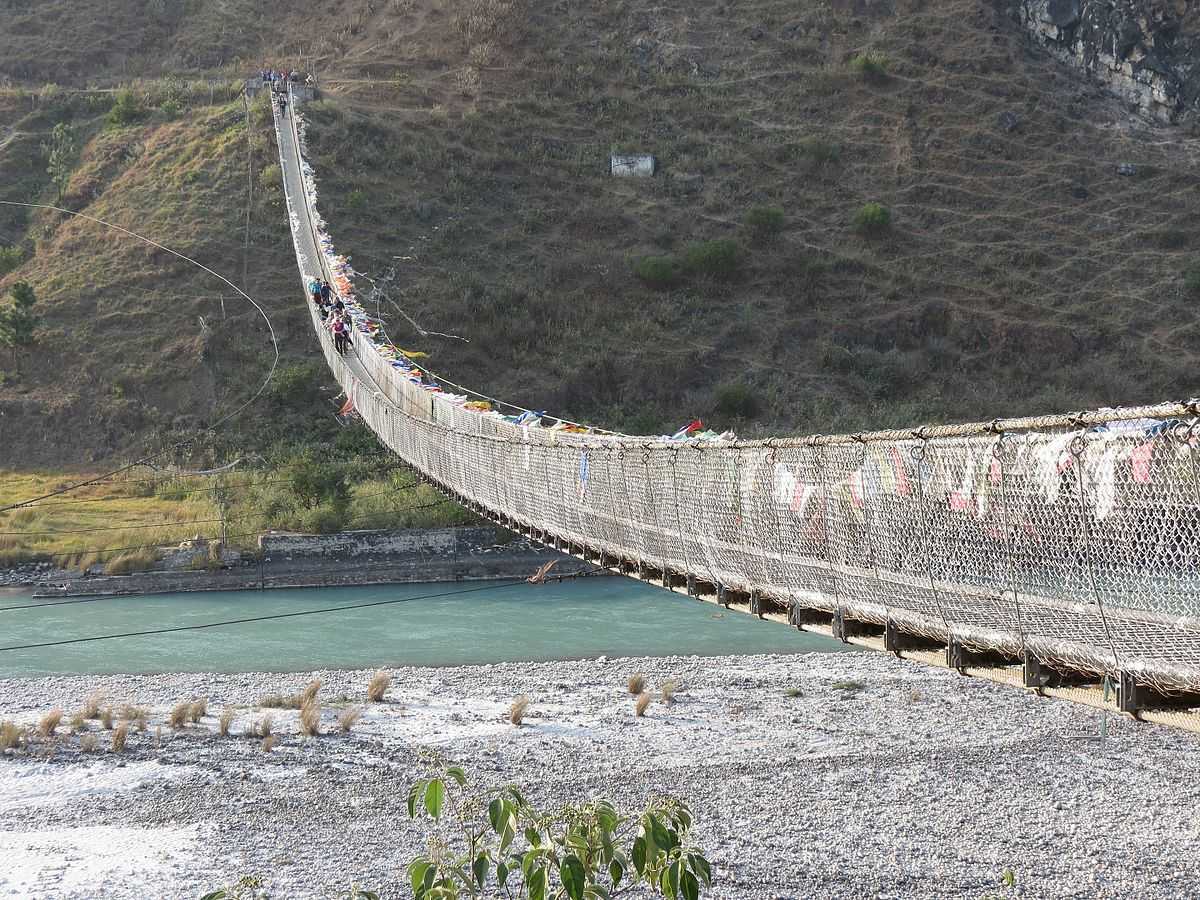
872	218
1191	279
820	152
271	178
356	199
587	849
736	401
719	258
657	271
126	110
871	66
10	258
765	221
295	383
323	519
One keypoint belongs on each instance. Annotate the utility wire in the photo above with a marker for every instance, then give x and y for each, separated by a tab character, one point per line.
291	615
213	427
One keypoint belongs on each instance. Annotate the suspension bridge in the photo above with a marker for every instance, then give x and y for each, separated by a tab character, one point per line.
1059	554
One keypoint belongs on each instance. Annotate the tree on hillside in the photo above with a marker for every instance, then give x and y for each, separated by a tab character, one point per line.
18	321
61	153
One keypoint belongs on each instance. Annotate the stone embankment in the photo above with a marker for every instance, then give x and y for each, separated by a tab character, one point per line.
299	560
1146	51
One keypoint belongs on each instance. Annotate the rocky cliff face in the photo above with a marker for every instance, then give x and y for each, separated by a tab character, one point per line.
1147	51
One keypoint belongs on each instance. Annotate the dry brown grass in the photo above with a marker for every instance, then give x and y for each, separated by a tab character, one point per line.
179	715
311	690
670	686
91	706
636	683
10	735
136	716
106	718
378	686
226	720
78	722
349	717
120	735
516	712
88	743
310	718
269	743
266	725
49	722
642	704
198	709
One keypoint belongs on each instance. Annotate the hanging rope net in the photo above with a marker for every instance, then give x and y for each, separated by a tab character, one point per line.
1071	539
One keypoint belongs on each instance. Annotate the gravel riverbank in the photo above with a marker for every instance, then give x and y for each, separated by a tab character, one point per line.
819	775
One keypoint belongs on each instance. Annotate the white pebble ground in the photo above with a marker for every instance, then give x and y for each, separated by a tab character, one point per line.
914	782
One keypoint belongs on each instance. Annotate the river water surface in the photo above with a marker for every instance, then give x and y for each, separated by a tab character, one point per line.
419	624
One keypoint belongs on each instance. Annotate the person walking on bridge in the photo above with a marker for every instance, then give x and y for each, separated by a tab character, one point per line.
339	335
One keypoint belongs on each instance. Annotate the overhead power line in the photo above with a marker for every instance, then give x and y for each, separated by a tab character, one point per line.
290	615
213	427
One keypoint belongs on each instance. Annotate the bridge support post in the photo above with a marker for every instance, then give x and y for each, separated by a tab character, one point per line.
691	585
838	627
722	596
756	604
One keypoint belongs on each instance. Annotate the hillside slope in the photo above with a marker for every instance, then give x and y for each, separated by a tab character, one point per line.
463	151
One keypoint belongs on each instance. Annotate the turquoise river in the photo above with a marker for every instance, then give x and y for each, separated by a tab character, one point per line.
411	624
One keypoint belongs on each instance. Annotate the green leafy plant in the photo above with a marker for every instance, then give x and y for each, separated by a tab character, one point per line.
719	258
248	887
126	110
60	156
657	271
736	401
765	221
18	322
1191	278
871	66
582	851
872	218
10	258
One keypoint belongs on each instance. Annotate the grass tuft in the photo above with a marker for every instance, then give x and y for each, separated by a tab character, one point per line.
636	683
311	690
310	717
670	686
198	709
850	685
78	722
348	717
380	682
872	219
269	743
119	737
516	712
87	743
179	715
642	704
91	706
10	735
49	723
106	718
225	721
136	715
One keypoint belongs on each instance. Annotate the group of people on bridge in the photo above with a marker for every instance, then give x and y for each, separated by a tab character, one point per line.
333	313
